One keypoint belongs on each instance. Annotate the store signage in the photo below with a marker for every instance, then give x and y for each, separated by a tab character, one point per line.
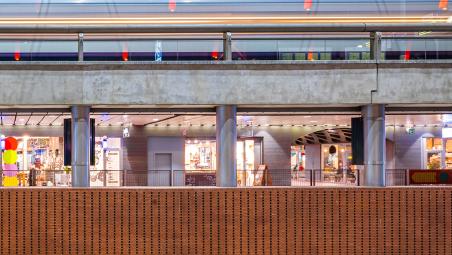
411	131
446	132
125	132
421	177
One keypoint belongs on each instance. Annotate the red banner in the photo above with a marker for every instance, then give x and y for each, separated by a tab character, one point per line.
418	177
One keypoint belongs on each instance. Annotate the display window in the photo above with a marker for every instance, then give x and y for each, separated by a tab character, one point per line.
107	171
433	152
201	154
297	158
336	160
40	162
200	158
437	153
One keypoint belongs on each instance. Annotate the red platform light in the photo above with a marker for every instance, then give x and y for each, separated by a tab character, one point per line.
307	5
407	55
17	55
172	5
125	55
214	55
443	4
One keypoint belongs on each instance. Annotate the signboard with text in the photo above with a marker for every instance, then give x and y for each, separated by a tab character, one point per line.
421	177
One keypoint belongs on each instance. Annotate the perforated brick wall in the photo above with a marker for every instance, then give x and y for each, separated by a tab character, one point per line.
226	221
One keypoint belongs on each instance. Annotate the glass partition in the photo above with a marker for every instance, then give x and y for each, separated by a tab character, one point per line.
153	50
301	49
38	50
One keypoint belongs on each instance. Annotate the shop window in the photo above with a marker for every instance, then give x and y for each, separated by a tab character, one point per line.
297	158
433	152
201	154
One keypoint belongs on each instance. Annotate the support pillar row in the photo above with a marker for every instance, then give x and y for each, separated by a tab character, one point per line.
226	127
374	145
80	130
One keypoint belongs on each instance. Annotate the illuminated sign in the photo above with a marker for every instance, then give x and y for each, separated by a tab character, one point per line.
420	177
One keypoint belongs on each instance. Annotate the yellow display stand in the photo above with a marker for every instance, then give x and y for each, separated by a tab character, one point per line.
10	181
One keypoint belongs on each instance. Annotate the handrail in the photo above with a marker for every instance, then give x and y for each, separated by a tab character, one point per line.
222	28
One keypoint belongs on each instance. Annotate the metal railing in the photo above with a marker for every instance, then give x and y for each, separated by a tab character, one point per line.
276	48
180	178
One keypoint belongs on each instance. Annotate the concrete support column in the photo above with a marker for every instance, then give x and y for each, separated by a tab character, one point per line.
227	46
80	146
374	145
226	126
375	46
80	47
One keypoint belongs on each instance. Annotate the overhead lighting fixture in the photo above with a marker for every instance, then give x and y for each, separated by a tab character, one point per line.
424	33
313	121
155	119
449	20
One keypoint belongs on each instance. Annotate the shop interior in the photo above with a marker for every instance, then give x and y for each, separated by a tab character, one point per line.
270	141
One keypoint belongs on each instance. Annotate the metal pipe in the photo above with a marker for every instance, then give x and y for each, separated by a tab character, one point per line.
223	28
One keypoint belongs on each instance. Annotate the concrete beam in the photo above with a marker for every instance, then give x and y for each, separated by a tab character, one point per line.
216	83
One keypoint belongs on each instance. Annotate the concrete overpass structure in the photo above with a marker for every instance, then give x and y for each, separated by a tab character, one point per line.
228	85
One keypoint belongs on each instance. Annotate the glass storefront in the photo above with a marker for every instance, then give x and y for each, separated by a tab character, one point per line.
297	158
433	152
108	168
336	161
200	154
437	153
40	162
200	160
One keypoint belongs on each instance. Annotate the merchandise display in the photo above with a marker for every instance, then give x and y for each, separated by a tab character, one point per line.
38	161
9	163
437	153
200	157
336	161
201	154
107	170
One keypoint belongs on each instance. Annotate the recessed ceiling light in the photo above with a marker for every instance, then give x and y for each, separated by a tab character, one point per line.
155	119
313	121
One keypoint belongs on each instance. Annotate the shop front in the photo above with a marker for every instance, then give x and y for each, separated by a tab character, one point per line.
337	162
40	162
437	151
200	161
